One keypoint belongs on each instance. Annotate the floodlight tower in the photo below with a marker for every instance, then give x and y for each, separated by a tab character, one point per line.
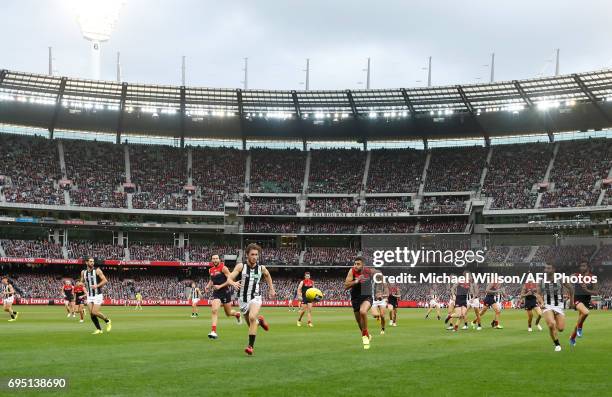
97	19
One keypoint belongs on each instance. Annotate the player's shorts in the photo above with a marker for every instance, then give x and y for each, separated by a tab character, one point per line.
95	299
9	300
474	303
194	301
246	306
80	299
382	303
557	309
393	301
356	302
531	304
224	295
461	301
304	300
584	299
489	300
69	298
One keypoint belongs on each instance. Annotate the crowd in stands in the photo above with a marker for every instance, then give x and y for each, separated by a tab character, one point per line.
332	205
218	174
604	254
32	249
442	226
395	170
160	175
272	206
393	204
256	226
385	227
204	253
79	249
31	170
519	254
330	227
329	256
336	171
578	167
512	173
568	255
277	171
156	251
497	254
455	169
443	205
281	256
97	170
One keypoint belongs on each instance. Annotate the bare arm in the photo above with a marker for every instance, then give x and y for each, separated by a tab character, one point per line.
268	278
299	289
103	280
350	281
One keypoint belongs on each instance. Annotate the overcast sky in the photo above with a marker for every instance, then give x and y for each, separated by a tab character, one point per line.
337	35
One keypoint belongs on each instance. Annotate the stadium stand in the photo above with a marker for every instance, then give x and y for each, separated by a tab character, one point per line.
336	171
277	171
395	170
455	169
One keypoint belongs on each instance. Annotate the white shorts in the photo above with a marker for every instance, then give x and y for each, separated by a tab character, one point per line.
95	299
246	306
195	301
380	303
433	303
9	300
555	308
474	303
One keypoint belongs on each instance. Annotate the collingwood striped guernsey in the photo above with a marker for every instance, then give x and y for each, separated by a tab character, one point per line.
249	288
552	293
91	279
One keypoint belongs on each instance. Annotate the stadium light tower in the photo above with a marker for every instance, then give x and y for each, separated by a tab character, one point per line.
97	19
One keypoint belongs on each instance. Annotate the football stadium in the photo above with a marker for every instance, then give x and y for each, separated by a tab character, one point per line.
204	229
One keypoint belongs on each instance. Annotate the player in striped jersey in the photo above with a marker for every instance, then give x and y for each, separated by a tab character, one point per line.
582	300
249	295
194	297
494	294
550	297
94	280
8	296
528	294
434	303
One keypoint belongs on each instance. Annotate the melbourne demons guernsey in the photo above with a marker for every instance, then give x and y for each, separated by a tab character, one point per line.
530	290
579	288
91	280
216	275
496	291
364	287
79	290
68	289
306	284
249	287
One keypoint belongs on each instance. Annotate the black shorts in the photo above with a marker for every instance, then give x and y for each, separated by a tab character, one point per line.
80	299
224	295
393	301
461	301
305	301
584	299
489	300
531	304
69	297
356	302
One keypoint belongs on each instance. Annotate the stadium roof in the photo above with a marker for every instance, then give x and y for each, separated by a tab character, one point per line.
581	101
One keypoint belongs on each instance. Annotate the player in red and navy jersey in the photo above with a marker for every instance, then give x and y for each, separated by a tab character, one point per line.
582	300
79	299
460	291
528	294
494	294
392	303
305	306
359	281
68	293
222	293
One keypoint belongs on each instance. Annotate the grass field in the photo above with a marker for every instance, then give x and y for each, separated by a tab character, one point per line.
162	351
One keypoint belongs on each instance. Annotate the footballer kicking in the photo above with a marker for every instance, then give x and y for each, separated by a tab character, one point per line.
582	300
222	293
550	297
94	280
194	297
8	296
528	294
249	295
305	306
359	281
